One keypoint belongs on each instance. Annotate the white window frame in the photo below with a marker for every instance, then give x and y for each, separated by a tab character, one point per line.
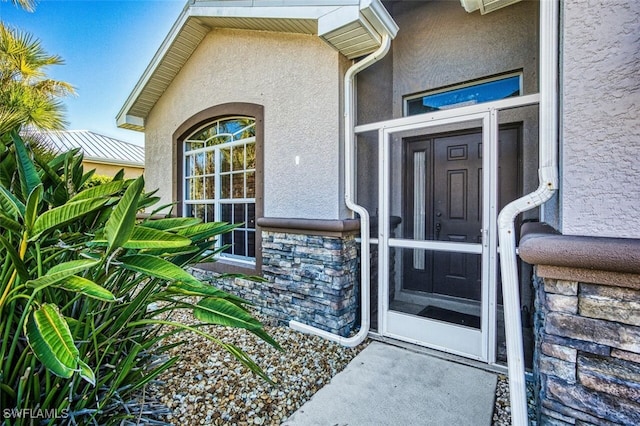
407	99
217	174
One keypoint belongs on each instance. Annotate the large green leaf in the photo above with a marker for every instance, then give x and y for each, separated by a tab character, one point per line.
64	214
156	267
204	290
219	311
63	158
175	251
50	339
29	177
62	271
86	372
223	312
147	201
10	205
120	224
47	172
33	204
171	223
147	238
99	191
205	231
18	264
8	223
87	287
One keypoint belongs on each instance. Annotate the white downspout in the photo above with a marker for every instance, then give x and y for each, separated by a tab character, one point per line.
548	177
349	195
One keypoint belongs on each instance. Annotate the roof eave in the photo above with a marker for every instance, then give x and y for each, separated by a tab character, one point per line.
125	119
130	122
353	28
108	162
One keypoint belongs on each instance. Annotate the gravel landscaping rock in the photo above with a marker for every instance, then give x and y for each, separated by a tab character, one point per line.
502	409
209	387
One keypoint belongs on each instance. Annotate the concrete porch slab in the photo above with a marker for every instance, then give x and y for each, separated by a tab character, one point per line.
387	385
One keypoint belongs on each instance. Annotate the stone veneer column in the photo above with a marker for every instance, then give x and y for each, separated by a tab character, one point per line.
310	268
587	360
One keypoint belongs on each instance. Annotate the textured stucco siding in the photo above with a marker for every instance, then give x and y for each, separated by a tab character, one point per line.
600	106
297	80
130	172
439	44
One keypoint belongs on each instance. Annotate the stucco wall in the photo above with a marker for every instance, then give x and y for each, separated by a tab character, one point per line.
297	80
600	127
439	44
111	169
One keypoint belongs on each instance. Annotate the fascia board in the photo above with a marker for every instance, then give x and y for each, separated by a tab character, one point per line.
268	12
379	17
105	161
131	122
337	18
123	117
264	3
325	12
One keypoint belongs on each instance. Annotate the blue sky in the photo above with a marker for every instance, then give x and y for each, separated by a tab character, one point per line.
106	46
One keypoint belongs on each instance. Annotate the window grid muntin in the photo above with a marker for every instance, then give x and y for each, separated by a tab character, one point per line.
211	209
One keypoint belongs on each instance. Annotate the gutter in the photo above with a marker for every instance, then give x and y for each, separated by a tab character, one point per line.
109	162
349	198
548	185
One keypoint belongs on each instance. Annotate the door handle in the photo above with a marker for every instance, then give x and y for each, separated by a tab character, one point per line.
438	228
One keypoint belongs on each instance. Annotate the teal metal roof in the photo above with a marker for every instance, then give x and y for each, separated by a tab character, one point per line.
95	147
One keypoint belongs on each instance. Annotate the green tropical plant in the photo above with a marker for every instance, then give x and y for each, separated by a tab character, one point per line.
78	277
96	180
27	96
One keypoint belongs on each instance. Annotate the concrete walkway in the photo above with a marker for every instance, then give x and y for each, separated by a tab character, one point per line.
387	385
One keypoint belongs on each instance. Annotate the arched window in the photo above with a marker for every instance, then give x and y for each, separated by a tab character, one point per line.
219	180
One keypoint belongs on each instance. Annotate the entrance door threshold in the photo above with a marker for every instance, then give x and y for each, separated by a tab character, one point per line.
493	368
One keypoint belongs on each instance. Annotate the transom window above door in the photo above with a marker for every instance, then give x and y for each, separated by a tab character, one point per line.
220	180
470	93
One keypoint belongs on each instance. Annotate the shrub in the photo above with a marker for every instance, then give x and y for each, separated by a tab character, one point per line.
77	277
96	180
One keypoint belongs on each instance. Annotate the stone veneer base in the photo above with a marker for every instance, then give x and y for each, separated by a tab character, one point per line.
310	269
587	361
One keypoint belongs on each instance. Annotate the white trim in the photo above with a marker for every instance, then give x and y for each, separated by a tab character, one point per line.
136	122
432	333
219	201
548	185
384	196
490	238
487	113
370	14
465	341
107	162
508	103
436	245
473	83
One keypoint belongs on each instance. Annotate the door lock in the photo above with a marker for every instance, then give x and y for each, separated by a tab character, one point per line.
438	228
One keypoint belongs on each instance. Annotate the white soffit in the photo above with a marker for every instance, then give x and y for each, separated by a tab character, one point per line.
486	6
352	27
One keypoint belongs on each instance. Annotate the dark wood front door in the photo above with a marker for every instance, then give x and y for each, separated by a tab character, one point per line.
444	196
